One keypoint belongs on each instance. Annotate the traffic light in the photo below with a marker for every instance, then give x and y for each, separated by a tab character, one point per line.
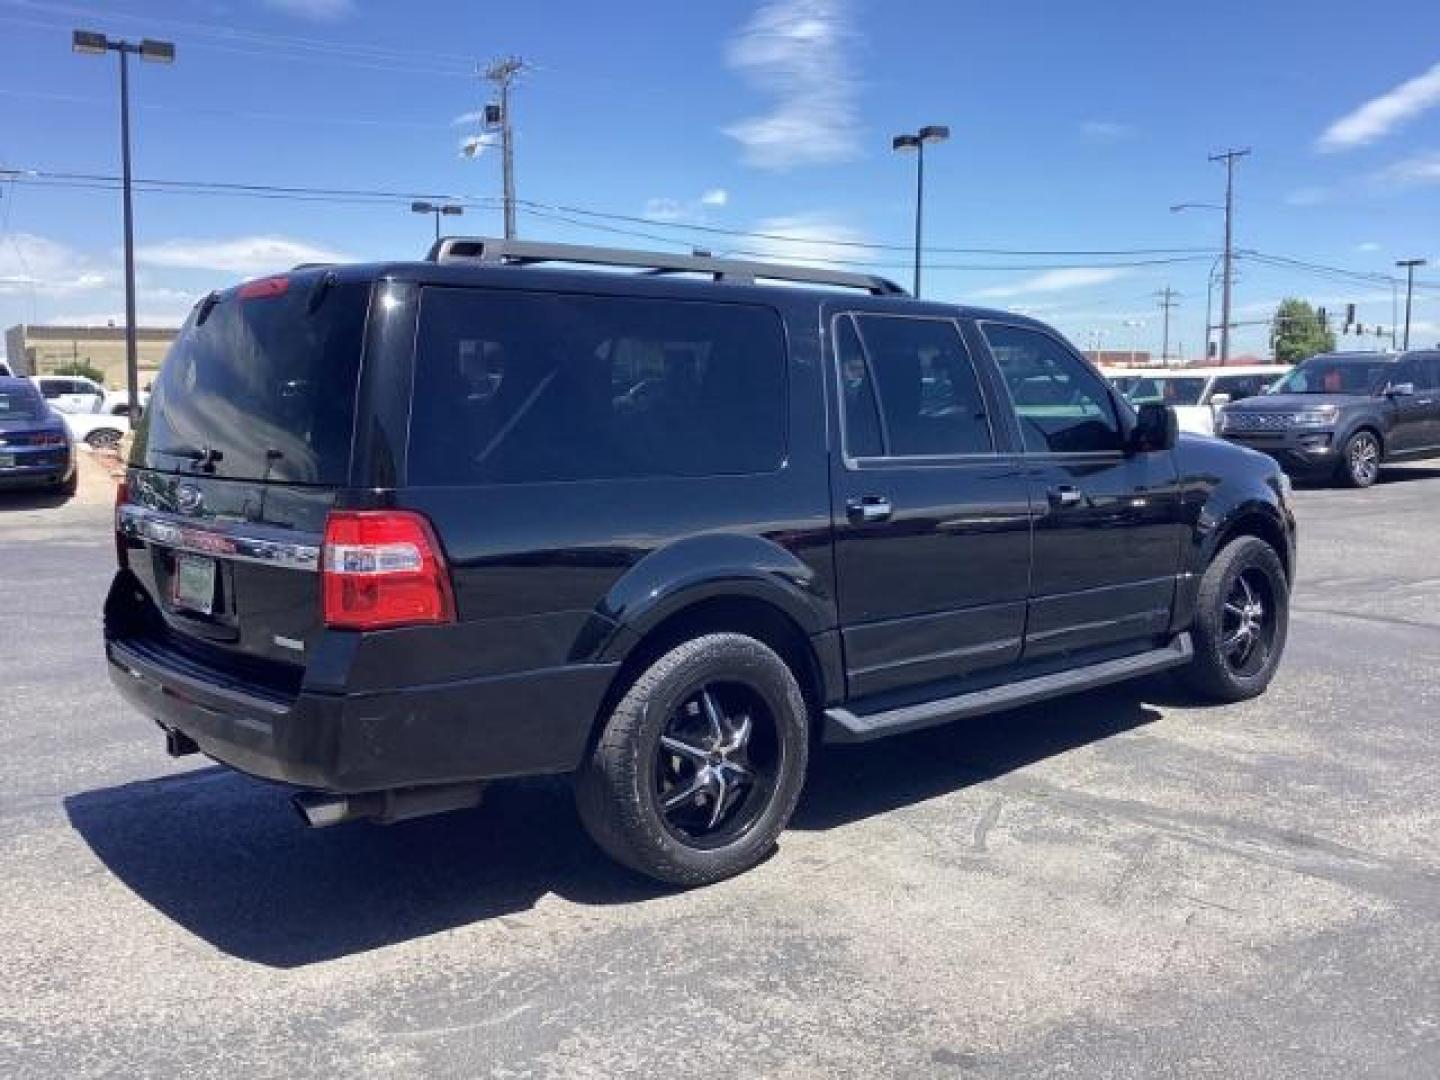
1322	317
1349	314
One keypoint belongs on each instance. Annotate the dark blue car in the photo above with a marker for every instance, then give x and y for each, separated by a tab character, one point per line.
35	448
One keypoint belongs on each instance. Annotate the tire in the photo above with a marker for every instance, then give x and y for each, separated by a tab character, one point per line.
632	790
70	485
1222	670
104	438
1359	465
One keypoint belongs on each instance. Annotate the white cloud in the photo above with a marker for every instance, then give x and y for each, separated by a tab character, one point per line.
715	197
665	210
1106	131
314	10
1051	281
243	255
1367	246
797	52
1418	171
475	117
35	265
671	211
808	238
1379	116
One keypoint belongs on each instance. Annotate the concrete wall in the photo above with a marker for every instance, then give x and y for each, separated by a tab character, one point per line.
39	350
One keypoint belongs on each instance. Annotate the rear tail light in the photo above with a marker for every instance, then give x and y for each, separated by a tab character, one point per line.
263	288
50	438
383	569
122	496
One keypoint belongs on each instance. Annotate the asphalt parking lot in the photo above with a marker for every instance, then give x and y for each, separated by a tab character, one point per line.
1122	884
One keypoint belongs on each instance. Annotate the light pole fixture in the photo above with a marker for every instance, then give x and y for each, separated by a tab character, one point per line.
447	209
1409	266
931	133
92	43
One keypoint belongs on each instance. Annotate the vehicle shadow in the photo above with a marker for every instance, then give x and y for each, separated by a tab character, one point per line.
1399	474
36	499
226	858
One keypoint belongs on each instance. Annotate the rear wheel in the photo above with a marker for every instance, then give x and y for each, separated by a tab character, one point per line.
70	484
103	438
1360	461
700	765
1242	618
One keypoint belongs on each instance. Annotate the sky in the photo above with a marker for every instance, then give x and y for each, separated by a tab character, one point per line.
1074	127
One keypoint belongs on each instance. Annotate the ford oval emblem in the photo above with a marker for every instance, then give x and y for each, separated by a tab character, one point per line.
189	499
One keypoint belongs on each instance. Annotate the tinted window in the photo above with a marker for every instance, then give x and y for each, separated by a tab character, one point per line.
266	383
862	417
52	388
21	402
1427	372
520	387
1180	390
929	398
1063	406
1325	375
1240	387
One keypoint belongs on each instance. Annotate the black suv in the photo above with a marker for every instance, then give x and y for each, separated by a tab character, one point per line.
391	531
1342	415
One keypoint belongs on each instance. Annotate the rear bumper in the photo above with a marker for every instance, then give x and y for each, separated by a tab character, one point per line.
513	725
32	476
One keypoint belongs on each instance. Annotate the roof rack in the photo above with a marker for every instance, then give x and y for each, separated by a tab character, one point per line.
736	271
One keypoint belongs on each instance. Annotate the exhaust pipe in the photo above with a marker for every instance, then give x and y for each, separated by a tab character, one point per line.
320	809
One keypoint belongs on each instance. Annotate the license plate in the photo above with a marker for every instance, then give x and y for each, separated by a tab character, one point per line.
195	583
7	461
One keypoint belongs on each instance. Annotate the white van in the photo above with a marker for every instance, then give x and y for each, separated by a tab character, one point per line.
1198	393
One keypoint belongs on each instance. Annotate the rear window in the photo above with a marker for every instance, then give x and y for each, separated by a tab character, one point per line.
1168	391
262	389
515	387
21	403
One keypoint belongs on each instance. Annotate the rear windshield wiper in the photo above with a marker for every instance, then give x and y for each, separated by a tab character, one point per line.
204	458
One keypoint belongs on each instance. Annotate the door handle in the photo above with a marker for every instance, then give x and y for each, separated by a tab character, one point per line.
869	508
1065	496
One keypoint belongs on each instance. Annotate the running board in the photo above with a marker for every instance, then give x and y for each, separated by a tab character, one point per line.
844	726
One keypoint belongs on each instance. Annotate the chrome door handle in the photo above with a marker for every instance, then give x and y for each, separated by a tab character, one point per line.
1066	496
869	508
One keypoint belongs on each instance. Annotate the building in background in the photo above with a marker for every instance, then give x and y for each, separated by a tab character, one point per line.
39	350
1120	358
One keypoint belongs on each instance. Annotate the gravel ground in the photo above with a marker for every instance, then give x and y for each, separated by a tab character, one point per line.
1120	884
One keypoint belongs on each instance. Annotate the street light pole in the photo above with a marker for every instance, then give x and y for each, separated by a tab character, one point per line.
1409	265
916	142
447	209
159	52
1229	157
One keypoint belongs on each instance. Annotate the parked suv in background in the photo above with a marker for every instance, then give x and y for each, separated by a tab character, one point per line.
1342	415
391	531
71	393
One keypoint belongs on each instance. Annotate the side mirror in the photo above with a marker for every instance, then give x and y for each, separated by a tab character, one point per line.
1219	401
1401	389
1156	428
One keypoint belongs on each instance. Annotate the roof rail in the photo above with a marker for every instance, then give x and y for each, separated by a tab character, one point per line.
736	271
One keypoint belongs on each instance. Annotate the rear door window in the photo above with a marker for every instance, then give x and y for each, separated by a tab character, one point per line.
514	387
263	388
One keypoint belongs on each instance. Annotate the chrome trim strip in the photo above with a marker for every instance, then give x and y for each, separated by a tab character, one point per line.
267	547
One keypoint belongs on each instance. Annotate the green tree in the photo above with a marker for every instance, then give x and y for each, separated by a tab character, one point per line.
81	369
1299	334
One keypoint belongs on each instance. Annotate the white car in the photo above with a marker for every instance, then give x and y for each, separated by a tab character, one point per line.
1196	394
70	393
100	430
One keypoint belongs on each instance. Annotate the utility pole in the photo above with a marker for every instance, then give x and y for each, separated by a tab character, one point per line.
502	73
1168	298
1229	157
1409	265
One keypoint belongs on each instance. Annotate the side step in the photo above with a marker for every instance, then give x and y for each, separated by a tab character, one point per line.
844	726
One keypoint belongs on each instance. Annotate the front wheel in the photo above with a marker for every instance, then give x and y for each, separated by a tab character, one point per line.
1360	461
1242	616
699	766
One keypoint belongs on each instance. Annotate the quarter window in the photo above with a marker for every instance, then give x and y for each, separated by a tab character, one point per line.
515	387
915	378
1063	406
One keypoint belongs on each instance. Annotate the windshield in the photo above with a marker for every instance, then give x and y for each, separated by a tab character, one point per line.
263	388
21	403
1328	376
1170	391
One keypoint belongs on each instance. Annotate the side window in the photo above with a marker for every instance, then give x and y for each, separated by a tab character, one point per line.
1427	374
862	416
1063	406
1239	387
514	387
928	394
52	389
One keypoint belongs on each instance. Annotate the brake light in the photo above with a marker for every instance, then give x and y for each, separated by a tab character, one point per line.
122	496
50	438
382	569
263	288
